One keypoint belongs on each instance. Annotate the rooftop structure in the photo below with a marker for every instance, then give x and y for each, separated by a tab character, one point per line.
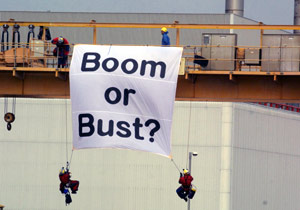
255	56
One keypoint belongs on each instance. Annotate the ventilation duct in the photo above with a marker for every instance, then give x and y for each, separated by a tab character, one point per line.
297	15
235	7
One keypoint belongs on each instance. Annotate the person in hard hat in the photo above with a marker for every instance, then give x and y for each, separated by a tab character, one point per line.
62	51
185	190
165	38
65	183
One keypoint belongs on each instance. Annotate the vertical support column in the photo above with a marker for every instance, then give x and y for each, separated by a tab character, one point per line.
177	34
94	32
261	41
95	36
261	34
226	150
44	42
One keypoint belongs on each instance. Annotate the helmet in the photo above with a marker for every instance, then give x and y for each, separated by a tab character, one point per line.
185	171
62	171
164	29
60	40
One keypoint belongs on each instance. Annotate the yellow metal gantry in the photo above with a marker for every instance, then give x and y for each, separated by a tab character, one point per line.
196	84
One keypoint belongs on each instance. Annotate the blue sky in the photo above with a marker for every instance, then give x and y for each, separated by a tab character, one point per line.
278	12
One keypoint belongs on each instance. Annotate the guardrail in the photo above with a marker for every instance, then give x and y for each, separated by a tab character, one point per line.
38	53
282	106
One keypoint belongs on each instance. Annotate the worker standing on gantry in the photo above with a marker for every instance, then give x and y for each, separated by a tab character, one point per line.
165	38
186	189
62	51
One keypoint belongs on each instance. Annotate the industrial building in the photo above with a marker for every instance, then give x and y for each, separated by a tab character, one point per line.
247	159
247	153
136	36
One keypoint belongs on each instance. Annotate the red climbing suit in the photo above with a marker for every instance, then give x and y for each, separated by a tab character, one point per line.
66	182
186	181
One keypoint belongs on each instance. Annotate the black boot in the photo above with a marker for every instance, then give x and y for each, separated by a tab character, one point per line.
68	199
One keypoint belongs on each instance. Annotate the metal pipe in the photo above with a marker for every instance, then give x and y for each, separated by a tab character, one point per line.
31	31
191	154
297	15
3	42
190	170
16	32
235	7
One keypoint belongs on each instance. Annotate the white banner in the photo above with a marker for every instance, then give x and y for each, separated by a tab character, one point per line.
123	96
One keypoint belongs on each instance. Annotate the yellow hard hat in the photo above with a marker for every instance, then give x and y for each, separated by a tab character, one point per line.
60	40
62	170
164	29
185	171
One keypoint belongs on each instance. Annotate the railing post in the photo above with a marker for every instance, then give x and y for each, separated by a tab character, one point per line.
261	39
261	35
94	32
177	33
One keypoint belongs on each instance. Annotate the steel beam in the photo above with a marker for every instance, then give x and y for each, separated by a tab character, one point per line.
259	26
200	86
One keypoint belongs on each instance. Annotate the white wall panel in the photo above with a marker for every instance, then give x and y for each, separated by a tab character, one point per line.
263	167
32	153
265	159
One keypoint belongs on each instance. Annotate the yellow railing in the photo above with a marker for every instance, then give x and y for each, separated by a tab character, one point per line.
36	55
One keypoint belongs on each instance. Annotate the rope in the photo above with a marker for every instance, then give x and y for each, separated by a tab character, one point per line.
66	118
67	155
175	165
188	144
69	163
5	105
14	106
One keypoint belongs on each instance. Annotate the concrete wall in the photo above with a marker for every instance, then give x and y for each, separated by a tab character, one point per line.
32	153
247	159
266	157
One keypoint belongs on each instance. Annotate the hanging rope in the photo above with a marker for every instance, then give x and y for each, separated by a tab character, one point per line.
14	106
69	163
66	117
188	144
5	105
175	165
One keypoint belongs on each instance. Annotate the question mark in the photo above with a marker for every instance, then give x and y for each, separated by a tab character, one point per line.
153	130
